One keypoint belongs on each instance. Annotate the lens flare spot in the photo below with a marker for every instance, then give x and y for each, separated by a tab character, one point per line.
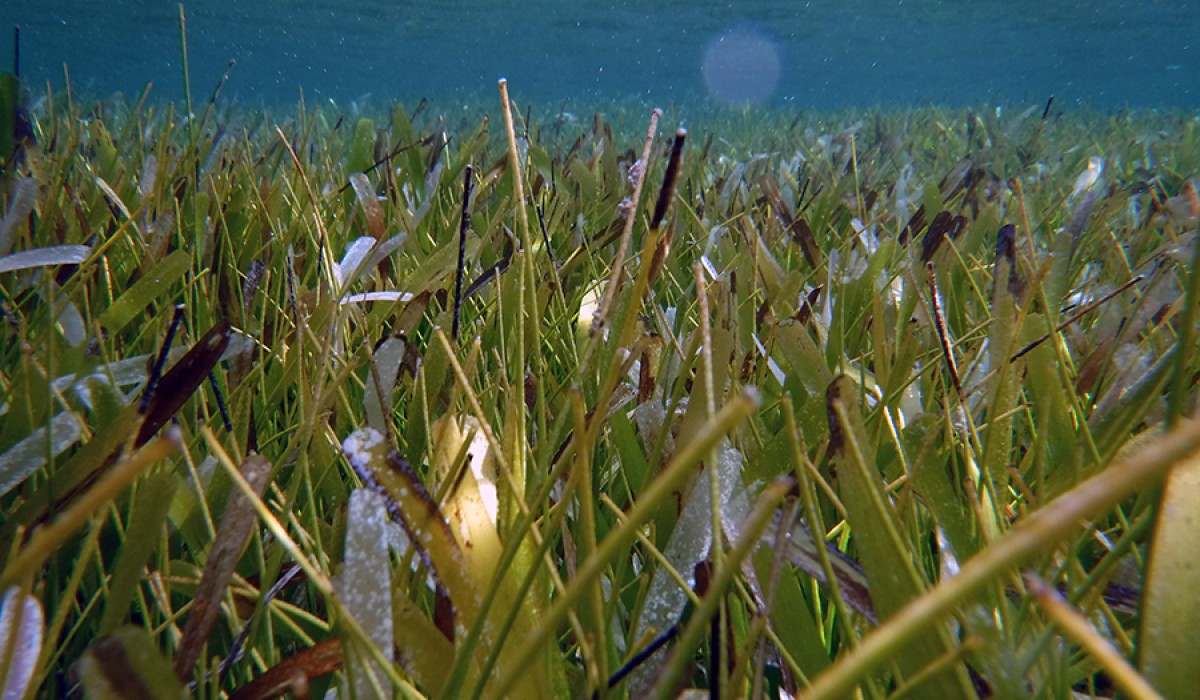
741	65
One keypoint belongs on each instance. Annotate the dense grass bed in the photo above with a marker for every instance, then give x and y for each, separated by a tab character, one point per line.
280	412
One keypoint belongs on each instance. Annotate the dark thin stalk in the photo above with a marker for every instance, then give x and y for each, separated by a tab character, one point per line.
802	182
943	334
490	274
161	361
1046	111
390	155
541	215
640	171
237	650
640	658
187	79
462	248
667	193
212	382
212	99
184	378
291	291
1026	153
1075	317
17	50
191	119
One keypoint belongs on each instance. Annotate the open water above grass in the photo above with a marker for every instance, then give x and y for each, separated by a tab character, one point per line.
815	54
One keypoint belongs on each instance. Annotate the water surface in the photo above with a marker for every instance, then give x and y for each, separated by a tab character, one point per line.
821	53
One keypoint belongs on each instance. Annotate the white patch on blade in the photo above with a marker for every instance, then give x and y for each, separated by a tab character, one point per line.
431	182
902	189
385	249
29	455
650	418
358	445
205	470
23	199
824	317
398	542
376	296
378	399
345	271
72	324
589	306
149	173
124	372
364	584
239	344
714	236
772	365
1089	177
689	544
948	562
483	468
735	501
45	257
895	290
910	404
24	639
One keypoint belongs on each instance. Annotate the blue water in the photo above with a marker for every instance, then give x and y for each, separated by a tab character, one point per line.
822	53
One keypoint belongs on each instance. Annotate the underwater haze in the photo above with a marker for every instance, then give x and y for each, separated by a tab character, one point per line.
821	53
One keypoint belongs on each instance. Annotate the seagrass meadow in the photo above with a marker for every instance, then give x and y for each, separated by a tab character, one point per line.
528	400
